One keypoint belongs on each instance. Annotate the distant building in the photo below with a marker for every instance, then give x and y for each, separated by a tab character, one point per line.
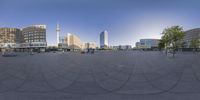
147	43
125	47
122	47
62	39
104	40
190	35
35	36
62	44
137	44
73	42
90	45
115	47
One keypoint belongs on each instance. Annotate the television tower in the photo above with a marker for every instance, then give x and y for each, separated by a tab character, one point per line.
58	33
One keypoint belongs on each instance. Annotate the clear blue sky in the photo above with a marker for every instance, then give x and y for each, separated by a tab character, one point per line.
127	21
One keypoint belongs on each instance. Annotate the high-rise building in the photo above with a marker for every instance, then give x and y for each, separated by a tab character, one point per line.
35	36
104	40
73	42
31	37
10	37
58	34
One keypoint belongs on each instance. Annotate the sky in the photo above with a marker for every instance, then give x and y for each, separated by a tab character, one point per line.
127	21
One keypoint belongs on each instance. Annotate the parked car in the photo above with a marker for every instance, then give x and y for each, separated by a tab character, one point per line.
9	54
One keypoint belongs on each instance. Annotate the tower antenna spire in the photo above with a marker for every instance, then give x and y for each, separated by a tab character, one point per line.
58	33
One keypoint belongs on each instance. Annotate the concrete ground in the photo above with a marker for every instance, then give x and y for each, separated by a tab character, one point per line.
122	75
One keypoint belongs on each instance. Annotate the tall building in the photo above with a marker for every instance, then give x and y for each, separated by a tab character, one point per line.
10	37
73	42
58	33
104	39
190	35
35	36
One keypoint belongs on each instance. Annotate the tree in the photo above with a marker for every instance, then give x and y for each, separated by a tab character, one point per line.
161	44
172	37
195	43
166	40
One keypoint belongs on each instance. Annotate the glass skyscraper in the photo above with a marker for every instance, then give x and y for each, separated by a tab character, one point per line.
104	39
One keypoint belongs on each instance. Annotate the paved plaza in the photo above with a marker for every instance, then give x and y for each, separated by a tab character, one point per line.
116	75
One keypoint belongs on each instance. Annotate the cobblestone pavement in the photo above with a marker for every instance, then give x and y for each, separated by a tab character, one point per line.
122	75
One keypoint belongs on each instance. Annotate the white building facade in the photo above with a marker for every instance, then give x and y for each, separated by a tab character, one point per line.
34	37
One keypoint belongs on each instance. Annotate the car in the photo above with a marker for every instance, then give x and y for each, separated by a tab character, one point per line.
9	54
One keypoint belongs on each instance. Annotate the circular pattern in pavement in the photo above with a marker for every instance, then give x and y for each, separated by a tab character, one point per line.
163	74
12	76
112	73
59	74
